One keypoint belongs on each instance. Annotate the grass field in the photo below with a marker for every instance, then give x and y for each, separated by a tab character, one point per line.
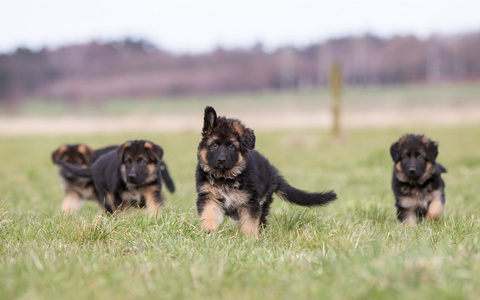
353	248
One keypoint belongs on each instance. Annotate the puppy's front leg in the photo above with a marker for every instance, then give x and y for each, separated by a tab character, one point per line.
407	215
71	202
250	224
436	207
210	212
153	198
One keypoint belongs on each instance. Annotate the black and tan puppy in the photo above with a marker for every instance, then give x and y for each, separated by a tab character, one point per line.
129	175
236	181
417	183
77	189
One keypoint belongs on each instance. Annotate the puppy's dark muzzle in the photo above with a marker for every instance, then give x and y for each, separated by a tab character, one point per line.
132	178
413	172
221	162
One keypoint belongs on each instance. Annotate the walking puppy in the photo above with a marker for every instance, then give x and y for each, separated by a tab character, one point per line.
417	183
77	189
236	181
129	175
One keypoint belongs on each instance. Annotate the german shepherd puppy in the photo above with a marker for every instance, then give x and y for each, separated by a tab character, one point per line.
129	175
234	180
416	182
77	189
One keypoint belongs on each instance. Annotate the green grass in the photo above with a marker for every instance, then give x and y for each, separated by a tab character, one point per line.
353	248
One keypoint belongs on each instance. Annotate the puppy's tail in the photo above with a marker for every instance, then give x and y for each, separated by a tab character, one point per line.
299	197
166	177
77	171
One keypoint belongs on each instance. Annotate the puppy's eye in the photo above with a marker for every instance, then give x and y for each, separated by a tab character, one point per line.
231	147
128	161
142	161
214	145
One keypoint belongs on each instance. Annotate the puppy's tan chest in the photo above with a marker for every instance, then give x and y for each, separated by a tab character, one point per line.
411	202
229	195
87	193
420	200
132	195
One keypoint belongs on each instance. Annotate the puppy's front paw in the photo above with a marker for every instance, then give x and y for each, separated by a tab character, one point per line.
210	225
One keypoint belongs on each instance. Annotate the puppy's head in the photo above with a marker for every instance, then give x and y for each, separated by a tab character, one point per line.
79	155
414	155
138	161
224	144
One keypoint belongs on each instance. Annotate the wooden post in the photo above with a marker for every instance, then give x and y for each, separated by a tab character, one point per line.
336	90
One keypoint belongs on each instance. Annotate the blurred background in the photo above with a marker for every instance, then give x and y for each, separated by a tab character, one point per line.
96	66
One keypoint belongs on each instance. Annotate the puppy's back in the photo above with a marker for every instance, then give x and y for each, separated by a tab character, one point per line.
105	171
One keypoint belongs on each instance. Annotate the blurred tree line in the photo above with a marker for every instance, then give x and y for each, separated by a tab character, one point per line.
137	68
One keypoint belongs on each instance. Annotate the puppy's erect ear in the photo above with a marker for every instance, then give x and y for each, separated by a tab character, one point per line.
395	152
248	139
87	152
57	154
121	150
431	148
154	151
209	120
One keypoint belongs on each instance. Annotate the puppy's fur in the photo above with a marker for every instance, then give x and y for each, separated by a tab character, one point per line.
77	189
129	175
234	180
416	182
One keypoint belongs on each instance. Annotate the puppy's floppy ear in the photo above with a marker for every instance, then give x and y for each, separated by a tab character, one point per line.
248	139
431	148
121	150
57	154
154	151
87	152
395	151
209	120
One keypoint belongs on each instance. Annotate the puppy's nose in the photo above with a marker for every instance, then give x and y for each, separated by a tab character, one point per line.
221	159
132	176
412	170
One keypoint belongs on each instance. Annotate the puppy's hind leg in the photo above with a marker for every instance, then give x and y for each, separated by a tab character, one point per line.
105	200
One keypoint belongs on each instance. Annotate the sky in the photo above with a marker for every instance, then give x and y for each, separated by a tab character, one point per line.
192	26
